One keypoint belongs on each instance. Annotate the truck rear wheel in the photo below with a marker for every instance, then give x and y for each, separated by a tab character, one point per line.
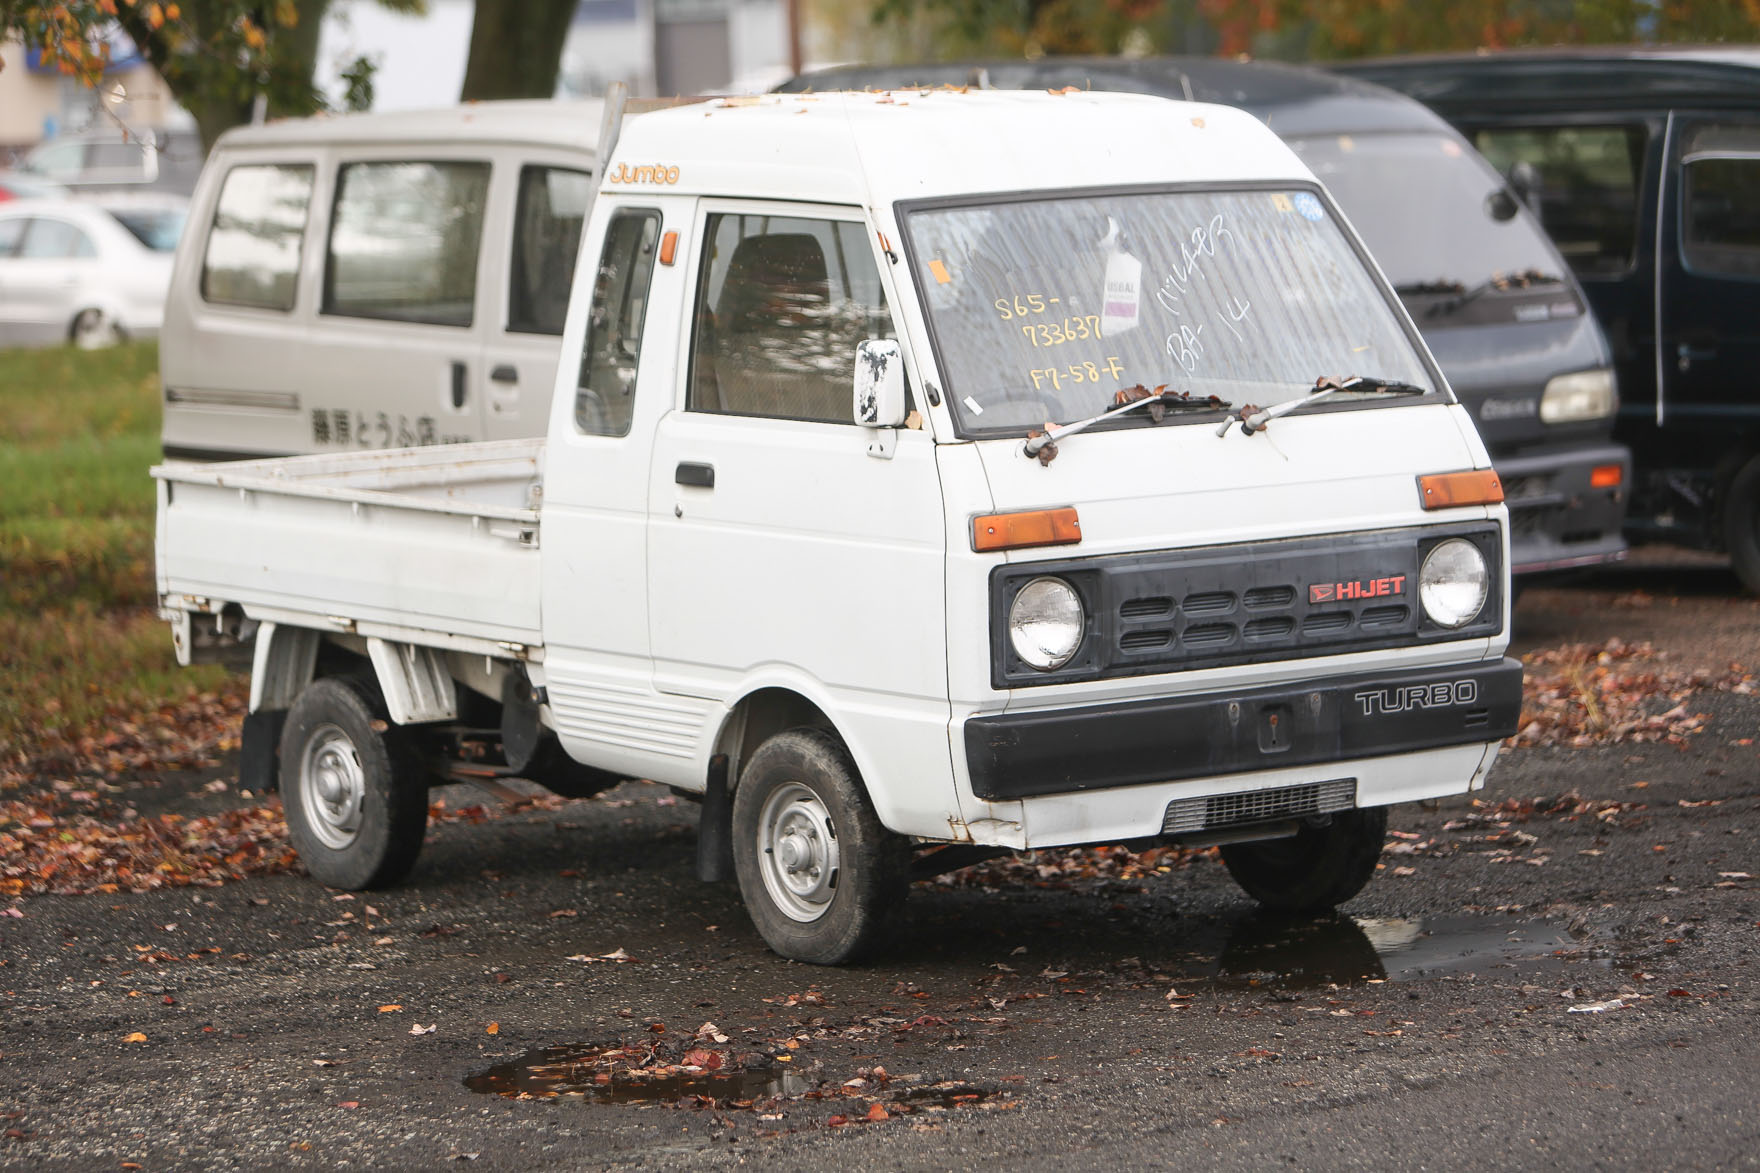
352	786
821	878
1319	867
1741	525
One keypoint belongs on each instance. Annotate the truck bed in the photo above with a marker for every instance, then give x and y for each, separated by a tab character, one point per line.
438	545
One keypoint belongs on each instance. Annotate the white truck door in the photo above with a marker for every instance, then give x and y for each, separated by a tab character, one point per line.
597	665
780	551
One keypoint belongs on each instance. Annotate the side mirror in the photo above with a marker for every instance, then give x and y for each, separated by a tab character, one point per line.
879	383
1501	205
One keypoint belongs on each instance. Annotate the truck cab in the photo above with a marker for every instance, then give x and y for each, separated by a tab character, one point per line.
909	500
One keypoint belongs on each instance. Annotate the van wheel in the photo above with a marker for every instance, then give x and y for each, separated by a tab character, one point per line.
352	786
1741	525
93	329
1321	866
821	878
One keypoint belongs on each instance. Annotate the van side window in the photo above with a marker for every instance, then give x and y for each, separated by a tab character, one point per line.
781	303
1588	178
1720	224
404	242
605	392
53	240
254	244
546	236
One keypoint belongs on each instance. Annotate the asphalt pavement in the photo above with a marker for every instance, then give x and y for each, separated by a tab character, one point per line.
1562	971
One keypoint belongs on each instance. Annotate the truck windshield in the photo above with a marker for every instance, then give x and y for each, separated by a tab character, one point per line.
1043	309
1424	204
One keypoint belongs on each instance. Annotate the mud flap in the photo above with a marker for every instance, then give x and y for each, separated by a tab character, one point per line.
259	751
715	827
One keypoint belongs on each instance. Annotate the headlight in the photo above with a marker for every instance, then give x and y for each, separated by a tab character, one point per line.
1578	397
1453	583
1045	623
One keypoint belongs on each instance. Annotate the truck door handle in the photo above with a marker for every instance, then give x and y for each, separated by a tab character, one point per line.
505	373
700	475
458	384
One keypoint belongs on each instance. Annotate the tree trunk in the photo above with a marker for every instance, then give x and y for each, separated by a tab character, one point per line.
516	48
296	59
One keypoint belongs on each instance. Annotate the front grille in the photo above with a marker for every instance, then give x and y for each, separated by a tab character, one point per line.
1186	815
1172	610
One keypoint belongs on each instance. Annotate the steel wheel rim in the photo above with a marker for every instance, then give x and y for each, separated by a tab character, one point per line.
333	787
798	852
93	330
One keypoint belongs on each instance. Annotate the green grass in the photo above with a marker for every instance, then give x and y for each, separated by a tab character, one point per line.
78	638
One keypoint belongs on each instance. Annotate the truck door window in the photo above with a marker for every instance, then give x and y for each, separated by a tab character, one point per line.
605	395
252	256
1720	222
404	242
782	302
1588	193
546	236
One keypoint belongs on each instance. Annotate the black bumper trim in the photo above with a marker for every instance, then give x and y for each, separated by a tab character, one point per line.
1340	719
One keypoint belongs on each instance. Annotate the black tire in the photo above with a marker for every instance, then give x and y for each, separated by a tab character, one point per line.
836	898
352	786
1321	867
1741	524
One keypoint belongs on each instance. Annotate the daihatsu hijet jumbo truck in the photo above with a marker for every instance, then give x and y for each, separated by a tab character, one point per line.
926	479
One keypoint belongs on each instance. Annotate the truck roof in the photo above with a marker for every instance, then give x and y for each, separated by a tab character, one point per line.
572	124
1292	99
869	148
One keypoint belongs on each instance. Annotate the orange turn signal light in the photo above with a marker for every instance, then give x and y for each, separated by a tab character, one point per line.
1018	531
668	248
1606	476
1447	490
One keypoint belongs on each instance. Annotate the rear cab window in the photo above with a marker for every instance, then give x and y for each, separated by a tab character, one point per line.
1043	308
252	254
546	236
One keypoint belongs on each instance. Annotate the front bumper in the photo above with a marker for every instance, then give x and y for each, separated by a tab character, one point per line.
1557	518
1063	751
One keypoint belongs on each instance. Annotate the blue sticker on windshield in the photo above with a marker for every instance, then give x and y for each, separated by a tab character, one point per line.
1309	206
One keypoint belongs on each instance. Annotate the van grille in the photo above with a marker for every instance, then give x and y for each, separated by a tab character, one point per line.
1186	815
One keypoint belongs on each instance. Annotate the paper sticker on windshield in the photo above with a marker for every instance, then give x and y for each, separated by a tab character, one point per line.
942	276
1281	202
1122	305
1309	205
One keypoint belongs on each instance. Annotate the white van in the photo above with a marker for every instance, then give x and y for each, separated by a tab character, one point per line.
376	280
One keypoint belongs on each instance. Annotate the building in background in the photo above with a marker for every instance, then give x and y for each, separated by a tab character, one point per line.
39	102
653	46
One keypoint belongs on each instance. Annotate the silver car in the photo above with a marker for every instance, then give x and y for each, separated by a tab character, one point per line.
89	273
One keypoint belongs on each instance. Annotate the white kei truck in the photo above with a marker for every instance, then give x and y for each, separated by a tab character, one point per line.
943	474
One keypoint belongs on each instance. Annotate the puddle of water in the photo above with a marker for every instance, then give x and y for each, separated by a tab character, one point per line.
1264	951
942	1096
594	1073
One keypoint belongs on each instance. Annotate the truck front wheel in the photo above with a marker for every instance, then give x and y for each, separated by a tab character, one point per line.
1317	868
352	787
821	878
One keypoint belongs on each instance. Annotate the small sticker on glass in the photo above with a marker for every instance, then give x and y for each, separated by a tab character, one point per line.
942	276
1281	202
973	406
1308	204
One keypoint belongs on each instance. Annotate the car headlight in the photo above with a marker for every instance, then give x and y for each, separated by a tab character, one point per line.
1045	623
1453	583
1578	397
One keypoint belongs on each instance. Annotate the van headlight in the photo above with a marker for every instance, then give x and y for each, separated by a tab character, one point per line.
1578	397
1045	623
1453	583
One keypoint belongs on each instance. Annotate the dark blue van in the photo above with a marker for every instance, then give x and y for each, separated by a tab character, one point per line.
1644	165
1499	309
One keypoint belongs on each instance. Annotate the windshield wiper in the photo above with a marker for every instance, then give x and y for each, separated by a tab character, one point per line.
1501	282
1160	403
1255	419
